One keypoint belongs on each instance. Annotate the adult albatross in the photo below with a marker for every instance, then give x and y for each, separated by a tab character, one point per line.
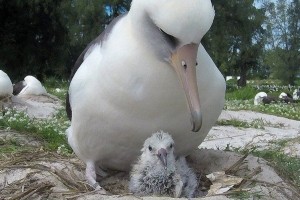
6	87
6	90
138	77
29	86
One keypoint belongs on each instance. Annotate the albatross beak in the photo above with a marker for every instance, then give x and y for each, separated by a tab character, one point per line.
162	155
184	61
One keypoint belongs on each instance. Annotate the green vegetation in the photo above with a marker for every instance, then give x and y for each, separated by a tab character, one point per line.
255	123
246	195
51	130
286	166
57	87
58	32
282	30
238	98
244	93
278	109
232	122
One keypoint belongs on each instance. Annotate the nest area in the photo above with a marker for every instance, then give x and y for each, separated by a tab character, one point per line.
31	172
35	173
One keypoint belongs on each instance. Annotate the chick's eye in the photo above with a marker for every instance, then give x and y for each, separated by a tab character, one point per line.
150	148
171	146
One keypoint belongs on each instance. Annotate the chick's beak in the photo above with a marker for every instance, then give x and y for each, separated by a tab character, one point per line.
162	155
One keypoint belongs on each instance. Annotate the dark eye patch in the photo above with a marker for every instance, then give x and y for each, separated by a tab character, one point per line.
171	40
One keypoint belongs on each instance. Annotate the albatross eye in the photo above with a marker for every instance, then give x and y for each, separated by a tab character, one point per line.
150	148
183	64
171	146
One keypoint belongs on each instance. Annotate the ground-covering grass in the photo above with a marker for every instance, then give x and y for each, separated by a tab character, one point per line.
288	167
245	93
290	111
57	87
51	130
256	123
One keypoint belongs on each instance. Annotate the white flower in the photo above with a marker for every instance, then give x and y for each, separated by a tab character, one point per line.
62	150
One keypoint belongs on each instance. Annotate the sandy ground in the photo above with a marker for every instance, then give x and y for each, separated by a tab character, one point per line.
38	174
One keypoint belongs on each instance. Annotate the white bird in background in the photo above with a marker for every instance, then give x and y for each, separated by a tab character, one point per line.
259	97
6	87
146	72
285	97
157	173
30	86
296	94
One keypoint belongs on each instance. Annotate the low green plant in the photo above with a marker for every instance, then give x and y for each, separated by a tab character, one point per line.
51	130
279	109
11	146
286	166
243	93
53	82
256	123
57	87
243	194
232	122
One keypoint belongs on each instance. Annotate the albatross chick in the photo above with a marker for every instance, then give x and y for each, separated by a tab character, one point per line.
157	173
